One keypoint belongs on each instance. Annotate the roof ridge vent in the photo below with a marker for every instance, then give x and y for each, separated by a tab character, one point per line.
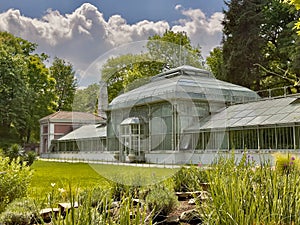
182	70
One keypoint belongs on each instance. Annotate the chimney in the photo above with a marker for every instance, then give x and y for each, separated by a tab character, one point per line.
103	99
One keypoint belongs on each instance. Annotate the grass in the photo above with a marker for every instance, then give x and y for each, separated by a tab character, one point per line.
84	176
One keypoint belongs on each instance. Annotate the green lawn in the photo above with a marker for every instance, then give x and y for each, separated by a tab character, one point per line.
82	175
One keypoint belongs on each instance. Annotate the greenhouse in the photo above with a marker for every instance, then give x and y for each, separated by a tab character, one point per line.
155	117
185	115
86	138
268	124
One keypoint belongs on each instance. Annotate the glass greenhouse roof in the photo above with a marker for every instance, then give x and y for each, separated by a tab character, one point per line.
184	82
261	113
86	131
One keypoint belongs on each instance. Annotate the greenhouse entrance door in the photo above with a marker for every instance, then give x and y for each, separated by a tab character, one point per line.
130	139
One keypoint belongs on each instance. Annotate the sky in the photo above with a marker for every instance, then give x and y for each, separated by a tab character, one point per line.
86	33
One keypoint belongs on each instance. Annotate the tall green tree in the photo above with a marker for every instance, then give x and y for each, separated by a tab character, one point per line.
242	42
26	90
40	97
280	51
215	63
14	76
129	71
296	3
65	83
259	46
174	49
86	100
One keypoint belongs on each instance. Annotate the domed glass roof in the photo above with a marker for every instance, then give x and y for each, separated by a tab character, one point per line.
182	83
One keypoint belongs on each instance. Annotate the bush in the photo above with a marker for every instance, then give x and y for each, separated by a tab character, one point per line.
30	157
14	180
20	212
14	152
285	163
161	200
243	193
189	179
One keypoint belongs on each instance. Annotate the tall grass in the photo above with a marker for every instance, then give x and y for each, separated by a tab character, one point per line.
244	193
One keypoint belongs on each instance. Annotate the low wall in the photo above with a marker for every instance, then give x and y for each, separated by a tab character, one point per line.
170	158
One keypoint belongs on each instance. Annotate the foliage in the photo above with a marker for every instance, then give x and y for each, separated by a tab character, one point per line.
20	212
286	163
215	63
125	72
128	71
86	100
189	179
30	157
40	96
65	83
24	78
296	3
14	152
15	178
244	193
174	49
260	49
242	42
161	200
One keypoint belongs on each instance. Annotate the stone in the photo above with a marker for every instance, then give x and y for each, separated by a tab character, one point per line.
192	201
172	220
191	216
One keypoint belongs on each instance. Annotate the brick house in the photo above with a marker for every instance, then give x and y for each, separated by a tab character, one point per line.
60	123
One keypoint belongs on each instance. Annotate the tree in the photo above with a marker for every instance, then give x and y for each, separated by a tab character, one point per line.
259	46
86	100
215	63
174	49
26	90
65	83
280	51
40	98
242	42
13	84
296	3
129	71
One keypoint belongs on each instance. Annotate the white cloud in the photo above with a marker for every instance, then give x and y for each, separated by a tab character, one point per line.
203	31
84	35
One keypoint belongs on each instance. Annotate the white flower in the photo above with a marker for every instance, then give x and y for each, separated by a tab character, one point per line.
61	190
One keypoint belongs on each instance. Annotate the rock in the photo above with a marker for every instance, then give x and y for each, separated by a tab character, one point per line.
192	201
47	213
191	217
172	220
115	204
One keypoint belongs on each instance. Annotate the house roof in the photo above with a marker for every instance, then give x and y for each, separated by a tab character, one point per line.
86	131
261	113
73	117
184	82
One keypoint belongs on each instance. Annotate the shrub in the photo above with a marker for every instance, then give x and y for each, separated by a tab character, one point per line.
20	212
30	157
14	180
161	200
285	163
14	152
245	194
189	178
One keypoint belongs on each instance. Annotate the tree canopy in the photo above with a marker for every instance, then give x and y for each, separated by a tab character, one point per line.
260	48
128	71
28	91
